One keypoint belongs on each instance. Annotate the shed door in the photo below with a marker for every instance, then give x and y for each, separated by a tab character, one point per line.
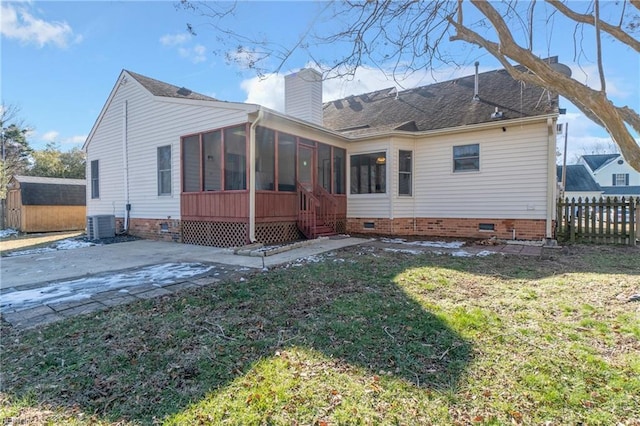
14	203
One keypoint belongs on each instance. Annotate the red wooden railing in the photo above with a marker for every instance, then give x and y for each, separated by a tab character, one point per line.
307	211
328	211
317	212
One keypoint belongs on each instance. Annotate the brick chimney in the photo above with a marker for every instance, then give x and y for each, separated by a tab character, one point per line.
303	95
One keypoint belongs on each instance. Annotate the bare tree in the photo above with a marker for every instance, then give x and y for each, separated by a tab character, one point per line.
15	149
406	36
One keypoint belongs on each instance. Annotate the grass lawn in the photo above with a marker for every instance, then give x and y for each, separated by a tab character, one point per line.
364	336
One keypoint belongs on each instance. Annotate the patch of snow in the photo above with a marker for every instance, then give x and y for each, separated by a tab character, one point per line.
68	244
6	233
84	288
464	253
406	251
484	253
71	244
311	259
41	250
434	244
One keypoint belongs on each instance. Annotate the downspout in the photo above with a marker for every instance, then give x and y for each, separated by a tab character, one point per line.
252	177
125	158
551	177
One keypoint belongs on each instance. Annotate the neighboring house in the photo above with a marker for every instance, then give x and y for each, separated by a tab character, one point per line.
579	183
43	204
614	175
471	157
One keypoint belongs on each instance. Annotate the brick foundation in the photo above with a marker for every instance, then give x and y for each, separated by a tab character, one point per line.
525	229
153	229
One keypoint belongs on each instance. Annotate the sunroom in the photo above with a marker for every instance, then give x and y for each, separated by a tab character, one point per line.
295	189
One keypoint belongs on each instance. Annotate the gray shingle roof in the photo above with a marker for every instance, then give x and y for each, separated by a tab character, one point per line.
578	178
160	88
438	106
44	191
623	191
595	161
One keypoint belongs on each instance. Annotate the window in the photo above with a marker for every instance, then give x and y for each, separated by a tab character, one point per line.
486	227
191	163
404	172
235	158
265	159
339	157
95	179
620	179
368	173
164	170
286	162
466	158
212	160
324	166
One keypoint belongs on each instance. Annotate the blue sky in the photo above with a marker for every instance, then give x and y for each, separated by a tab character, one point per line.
60	61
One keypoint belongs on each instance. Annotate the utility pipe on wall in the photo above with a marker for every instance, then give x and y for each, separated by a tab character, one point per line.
125	159
252	177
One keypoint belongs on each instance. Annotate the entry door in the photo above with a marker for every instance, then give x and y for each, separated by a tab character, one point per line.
305	167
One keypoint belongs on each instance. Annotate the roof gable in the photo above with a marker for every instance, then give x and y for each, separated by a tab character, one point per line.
597	161
440	105
578	178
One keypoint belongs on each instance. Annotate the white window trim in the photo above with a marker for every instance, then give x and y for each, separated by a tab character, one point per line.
170	193
458	172
411	173
387	192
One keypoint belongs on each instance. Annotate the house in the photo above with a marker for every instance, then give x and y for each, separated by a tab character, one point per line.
614	175
44	204
471	157
579	183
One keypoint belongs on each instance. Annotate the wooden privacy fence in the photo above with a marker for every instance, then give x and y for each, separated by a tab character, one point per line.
605	220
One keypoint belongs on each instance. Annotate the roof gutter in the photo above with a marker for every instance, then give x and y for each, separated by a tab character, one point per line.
415	135
450	130
252	176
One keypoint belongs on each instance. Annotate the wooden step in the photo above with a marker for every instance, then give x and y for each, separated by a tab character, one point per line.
323	231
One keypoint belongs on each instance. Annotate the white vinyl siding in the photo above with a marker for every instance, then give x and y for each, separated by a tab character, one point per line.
151	122
511	183
604	176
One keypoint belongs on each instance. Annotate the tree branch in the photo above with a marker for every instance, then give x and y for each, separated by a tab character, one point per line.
614	31
592	102
603	83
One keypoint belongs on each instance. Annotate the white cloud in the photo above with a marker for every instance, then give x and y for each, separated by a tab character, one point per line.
589	76
267	91
195	54
174	39
584	137
50	136
19	24
75	140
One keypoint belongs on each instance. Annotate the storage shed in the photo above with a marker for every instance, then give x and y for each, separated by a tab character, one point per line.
43	204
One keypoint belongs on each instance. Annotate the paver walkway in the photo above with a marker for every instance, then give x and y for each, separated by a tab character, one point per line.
45	313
